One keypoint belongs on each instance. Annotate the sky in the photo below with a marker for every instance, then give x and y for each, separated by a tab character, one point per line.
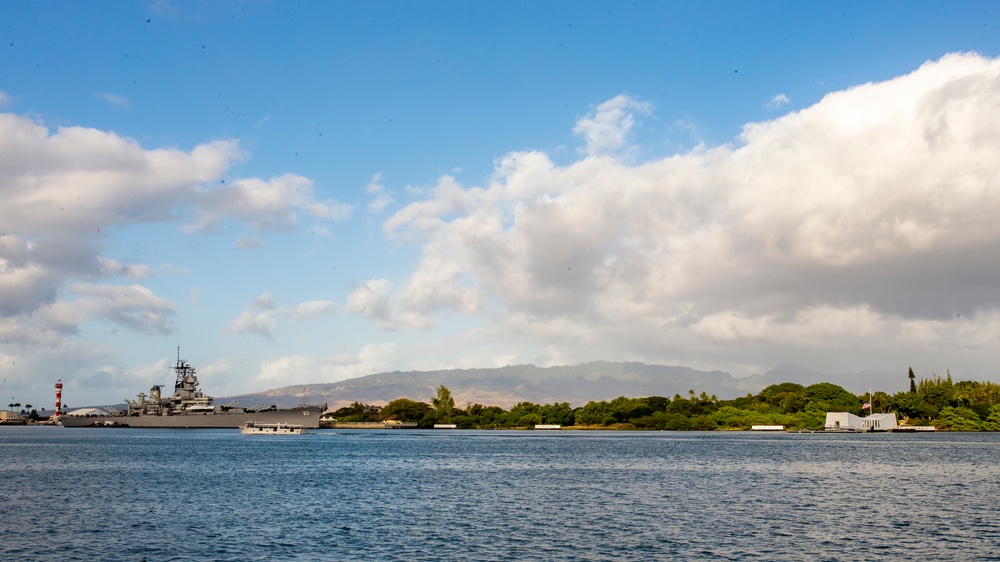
308	192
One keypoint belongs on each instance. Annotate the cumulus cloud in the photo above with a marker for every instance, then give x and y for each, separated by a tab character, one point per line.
64	189
77	181
254	322
607	127
129	306
297	369
76	363
260	318
371	299
61	191
271	205
865	220
4	99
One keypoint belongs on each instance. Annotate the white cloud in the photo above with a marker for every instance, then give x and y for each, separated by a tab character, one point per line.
129	306
264	301
607	127
115	100
372	299
264	205
5	99
285	371
261	317
380	199
147	375
297	369
376	358
254	322
312	309
61	191
77	181
778	101
64	190
111	268
80	365
869	216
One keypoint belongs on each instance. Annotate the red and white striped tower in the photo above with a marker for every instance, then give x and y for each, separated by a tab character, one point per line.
58	399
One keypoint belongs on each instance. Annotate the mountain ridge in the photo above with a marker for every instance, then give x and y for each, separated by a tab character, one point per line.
575	384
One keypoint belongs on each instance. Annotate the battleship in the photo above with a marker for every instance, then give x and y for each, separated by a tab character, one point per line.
188	407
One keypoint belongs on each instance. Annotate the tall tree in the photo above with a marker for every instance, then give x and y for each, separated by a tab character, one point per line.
443	402
405	410
913	382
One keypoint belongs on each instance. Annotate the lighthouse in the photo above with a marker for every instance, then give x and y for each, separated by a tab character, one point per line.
58	399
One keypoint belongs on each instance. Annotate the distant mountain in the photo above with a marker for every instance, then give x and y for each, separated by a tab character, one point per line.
857	383
600	380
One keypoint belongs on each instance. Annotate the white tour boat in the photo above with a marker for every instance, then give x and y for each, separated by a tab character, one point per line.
253	428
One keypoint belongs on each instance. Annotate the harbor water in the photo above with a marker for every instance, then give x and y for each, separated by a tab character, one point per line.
165	494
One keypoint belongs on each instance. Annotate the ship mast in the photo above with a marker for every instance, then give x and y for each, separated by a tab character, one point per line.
185	374
179	369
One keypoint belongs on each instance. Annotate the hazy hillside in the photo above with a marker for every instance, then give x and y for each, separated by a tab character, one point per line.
857	383
505	386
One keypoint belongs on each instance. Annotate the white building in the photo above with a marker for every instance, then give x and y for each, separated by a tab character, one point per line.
844	421
88	413
767	428
9	416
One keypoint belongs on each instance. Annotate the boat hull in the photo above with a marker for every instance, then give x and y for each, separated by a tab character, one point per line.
272	429
307	417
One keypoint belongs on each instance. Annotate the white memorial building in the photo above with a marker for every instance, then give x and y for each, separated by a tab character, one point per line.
844	421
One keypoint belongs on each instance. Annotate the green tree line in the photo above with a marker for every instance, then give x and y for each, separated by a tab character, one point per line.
937	401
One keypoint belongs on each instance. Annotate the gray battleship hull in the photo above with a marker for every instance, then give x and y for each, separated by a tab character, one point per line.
306	416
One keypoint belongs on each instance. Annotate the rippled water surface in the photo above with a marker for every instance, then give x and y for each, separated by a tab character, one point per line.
164	494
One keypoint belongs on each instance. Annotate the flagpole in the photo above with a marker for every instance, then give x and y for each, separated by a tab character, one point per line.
871	410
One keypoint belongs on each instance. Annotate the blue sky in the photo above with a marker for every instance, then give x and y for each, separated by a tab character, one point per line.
308	192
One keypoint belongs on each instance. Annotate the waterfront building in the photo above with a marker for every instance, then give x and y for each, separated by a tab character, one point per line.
10	416
846	421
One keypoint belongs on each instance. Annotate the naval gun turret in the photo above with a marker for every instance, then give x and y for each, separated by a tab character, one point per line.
141	406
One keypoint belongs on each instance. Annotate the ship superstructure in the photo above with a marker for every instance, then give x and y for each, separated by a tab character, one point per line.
189	407
187	398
